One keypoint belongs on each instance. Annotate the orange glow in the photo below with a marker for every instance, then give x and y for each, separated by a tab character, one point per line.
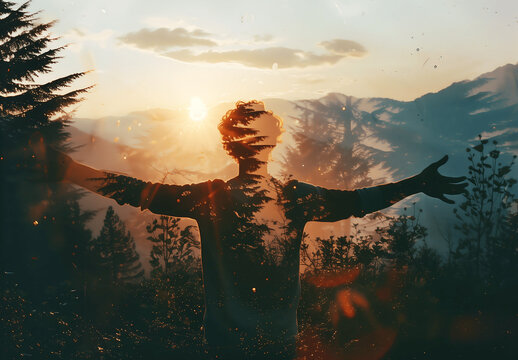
348	299
177	141
345	301
335	279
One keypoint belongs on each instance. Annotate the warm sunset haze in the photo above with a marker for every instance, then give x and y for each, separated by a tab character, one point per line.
154	54
273	180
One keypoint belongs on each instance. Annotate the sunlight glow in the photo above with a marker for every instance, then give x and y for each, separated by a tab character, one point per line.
197	109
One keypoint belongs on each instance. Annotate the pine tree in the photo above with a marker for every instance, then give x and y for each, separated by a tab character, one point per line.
43	240
241	142
328	150
172	247
32	114
30	111
115	249
402	235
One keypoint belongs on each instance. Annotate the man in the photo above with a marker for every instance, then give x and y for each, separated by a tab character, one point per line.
251	228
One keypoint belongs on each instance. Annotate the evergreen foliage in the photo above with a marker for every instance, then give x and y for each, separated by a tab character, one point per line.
32	115
402	234
328	150
116	252
383	294
239	140
172	247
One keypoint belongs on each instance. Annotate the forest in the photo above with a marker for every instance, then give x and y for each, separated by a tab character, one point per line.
377	293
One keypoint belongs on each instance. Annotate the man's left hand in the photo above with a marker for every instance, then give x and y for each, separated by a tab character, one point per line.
436	185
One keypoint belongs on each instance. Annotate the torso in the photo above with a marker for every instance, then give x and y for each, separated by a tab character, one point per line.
250	256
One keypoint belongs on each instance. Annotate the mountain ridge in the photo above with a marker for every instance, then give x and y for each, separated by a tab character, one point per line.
402	136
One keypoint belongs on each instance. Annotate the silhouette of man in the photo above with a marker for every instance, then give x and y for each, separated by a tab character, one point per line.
251	228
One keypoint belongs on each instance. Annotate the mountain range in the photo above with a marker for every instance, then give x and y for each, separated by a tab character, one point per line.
402	138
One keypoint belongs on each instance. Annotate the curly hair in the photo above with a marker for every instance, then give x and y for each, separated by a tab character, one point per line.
240	140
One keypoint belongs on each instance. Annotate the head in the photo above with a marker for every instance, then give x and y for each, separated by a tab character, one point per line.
250	133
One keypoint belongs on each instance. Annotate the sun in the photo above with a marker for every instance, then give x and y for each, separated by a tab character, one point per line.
197	109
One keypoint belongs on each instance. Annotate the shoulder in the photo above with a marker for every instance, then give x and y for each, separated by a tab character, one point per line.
206	187
299	188
217	183
209	184
193	191
216	186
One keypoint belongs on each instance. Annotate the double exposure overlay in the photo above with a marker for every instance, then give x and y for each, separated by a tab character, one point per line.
337	227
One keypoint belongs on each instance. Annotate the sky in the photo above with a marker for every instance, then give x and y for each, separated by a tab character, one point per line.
162	54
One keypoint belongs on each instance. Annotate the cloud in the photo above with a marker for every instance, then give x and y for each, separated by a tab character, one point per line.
77	37
164	38
263	58
344	47
263	38
163	41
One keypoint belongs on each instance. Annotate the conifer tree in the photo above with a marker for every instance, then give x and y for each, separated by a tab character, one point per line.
403	235
30	110
328	149
115	250
32	114
172	247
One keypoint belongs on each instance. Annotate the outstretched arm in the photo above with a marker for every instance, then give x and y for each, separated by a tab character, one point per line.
319	204
164	199
429	181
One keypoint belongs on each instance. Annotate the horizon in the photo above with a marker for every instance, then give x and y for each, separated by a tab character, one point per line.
320	97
